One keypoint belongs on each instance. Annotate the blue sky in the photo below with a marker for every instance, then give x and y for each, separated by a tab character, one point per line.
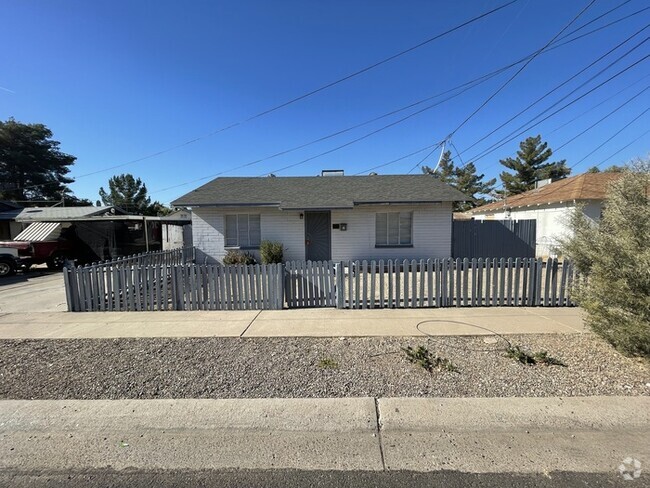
117	81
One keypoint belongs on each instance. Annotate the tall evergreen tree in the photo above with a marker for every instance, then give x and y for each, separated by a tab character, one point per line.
446	171
128	193
464	179
32	167
531	165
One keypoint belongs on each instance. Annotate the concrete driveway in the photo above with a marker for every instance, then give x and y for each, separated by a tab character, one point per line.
38	290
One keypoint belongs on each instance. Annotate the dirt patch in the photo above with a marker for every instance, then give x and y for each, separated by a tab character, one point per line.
310	367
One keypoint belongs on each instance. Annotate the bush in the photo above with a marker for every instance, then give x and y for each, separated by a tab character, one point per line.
614	256
238	257
271	252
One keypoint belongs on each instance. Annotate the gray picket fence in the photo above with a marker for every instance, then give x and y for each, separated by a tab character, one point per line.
174	287
169	257
454	283
345	284
310	284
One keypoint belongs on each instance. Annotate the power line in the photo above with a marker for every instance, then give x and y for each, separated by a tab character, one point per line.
463	165
465	86
593	107
482	105
612	137
557	87
601	119
602	162
504	141
469	85
325	86
484	77
477	80
501	185
623	148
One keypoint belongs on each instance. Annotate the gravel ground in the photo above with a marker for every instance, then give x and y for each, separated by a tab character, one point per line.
309	367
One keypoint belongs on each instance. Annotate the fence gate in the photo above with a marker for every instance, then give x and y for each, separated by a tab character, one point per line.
494	238
310	284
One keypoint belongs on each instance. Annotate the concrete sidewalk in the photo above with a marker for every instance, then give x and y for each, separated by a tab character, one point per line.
476	435
321	322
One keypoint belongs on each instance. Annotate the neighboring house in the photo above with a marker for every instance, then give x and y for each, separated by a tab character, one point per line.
324	217
551	205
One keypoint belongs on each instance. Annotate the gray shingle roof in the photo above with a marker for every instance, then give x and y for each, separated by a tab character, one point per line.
320	192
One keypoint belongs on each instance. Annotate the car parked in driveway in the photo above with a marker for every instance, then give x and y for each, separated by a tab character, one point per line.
28	253
9	261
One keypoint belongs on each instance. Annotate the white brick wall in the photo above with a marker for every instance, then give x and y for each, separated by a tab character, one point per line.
208	231
431	232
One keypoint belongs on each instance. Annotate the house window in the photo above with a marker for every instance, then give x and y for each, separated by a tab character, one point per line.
243	230
394	229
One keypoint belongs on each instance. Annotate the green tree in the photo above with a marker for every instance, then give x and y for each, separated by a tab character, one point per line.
531	165
612	169
32	167
614	254
128	193
446	171
464	179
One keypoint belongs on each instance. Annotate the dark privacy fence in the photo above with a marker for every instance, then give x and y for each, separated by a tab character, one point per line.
494	238
346	284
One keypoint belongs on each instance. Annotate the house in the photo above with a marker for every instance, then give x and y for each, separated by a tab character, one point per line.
551	204
324	217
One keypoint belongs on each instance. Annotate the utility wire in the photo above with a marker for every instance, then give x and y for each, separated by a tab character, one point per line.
594	107
557	87
482	105
338	147
501	185
463	165
612	137
584	131
327	85
468	85
600	85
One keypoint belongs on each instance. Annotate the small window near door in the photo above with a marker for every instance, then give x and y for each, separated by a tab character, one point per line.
394	229
243	230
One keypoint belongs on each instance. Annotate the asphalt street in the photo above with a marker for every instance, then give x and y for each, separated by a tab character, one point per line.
302	479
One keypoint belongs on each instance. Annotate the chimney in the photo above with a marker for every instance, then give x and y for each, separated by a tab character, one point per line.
332	172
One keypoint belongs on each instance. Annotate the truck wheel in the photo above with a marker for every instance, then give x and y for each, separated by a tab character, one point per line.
56	262
7	267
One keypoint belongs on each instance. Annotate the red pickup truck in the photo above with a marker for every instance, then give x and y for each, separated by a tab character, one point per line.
52	253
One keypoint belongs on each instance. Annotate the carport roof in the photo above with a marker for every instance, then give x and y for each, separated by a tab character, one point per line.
53	214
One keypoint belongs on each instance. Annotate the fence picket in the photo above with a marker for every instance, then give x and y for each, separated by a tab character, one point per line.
405	267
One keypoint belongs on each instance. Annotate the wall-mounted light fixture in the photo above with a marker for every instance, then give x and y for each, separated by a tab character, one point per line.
301	215
343	227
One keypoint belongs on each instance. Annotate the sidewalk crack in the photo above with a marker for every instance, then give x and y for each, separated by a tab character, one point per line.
381	441
249	325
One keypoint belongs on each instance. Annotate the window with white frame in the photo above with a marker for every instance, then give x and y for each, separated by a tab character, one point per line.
394	229
243	230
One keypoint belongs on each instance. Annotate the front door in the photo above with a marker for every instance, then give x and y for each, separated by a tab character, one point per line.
317	236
